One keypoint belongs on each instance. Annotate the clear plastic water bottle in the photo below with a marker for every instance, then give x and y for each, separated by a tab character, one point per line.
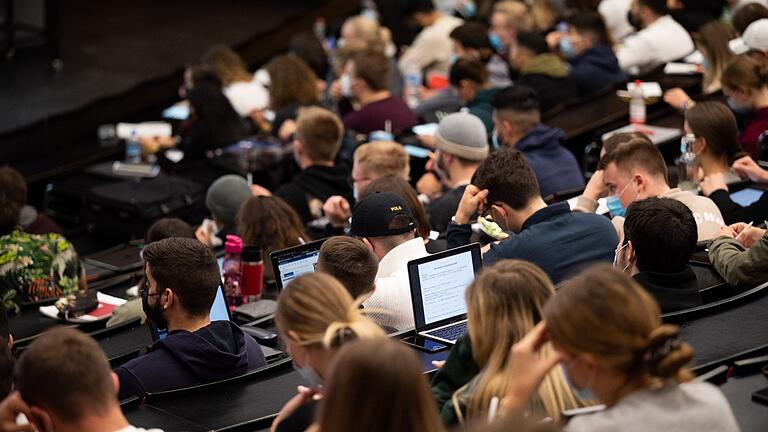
687	164
368	9
231	267
132	149
412	80
637	104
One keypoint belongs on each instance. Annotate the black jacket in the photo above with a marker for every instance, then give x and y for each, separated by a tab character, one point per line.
673	291
217	351
307	192
596	69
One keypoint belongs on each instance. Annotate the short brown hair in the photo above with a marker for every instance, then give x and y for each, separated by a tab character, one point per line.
13	195
636	153
64	371
320	131
372	66
167	228
380	158
508	178
351	262
611	143
716	123
189	268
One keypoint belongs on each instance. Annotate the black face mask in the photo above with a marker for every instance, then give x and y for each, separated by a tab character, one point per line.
634	21
154	312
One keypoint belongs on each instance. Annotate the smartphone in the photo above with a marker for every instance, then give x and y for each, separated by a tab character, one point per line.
761	396
423	344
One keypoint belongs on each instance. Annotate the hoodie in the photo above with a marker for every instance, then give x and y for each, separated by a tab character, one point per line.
673	291
182	359
555	167
547	74
596	69
309	189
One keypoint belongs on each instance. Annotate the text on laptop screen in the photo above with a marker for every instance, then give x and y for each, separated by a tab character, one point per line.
295	266
443	283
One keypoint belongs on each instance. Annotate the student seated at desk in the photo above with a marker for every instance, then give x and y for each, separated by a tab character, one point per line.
351	262
377	386
469	78
369	162
517	124
717	190
503	303
587	48
608	333
316	316
161	229
660	39
33	267
461	144
222	199
745	84
559	241
403	189
659	240
542	71
64	382
182	278
711	128
386	224
740	255
636	170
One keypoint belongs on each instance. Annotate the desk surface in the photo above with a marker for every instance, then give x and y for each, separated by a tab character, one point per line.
752	416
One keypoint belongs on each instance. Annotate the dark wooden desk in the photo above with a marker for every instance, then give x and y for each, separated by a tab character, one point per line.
752	416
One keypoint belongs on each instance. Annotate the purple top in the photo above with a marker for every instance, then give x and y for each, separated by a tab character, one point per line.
372	116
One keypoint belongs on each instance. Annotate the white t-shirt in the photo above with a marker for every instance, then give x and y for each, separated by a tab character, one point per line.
663	41
614	13
688	407
393	290
247	96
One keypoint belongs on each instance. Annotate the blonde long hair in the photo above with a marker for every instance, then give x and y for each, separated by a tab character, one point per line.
320	311
503	304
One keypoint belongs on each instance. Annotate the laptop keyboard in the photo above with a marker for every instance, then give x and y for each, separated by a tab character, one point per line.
451	332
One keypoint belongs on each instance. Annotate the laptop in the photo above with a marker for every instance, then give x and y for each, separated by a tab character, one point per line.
290	263
438	283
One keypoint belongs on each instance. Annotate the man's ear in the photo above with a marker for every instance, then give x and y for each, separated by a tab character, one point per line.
368	243
170	298
298	146
700	145
115	382
10	341
630	252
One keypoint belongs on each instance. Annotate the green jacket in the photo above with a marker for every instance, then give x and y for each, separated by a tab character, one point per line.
481	107
459	369
739	267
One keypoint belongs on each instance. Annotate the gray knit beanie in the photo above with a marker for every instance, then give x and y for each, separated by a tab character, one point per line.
225	196
464	135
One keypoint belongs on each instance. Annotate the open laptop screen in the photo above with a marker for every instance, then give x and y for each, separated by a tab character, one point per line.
295	261
438	284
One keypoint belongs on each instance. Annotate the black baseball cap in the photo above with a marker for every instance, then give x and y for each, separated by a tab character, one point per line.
373	215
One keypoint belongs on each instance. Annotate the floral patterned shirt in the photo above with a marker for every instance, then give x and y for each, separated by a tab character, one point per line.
36	267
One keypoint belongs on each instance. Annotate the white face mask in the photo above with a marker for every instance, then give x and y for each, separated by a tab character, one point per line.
616	257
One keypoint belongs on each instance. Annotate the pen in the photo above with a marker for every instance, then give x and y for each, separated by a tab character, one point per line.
749	225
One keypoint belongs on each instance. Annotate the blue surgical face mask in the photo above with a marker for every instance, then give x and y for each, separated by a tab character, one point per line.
496	43
495	140
705	64
584	394
452	59
566	47
468	9
614	206
346	85
738	109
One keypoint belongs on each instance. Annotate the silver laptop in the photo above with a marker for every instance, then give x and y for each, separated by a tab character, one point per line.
438	283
